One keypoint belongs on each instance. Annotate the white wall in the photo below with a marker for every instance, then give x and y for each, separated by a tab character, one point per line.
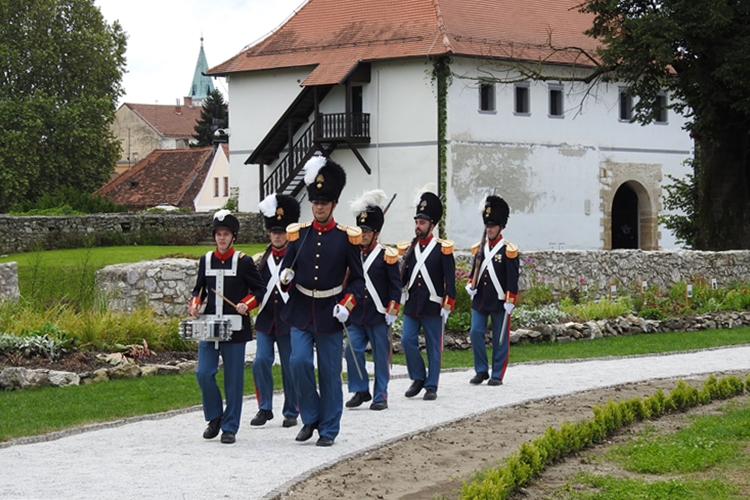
205	201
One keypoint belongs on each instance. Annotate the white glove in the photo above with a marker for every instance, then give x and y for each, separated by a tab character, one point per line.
286	276
445	313
390	319
471	291
341	313
509	308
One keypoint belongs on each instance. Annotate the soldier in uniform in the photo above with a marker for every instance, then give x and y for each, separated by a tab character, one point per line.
378	309
278	212
316	262
429	281
493	287
230	282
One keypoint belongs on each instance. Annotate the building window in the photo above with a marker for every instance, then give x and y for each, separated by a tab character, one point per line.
661	108
226	187
522	105
216	187
626	105
486	96
556	101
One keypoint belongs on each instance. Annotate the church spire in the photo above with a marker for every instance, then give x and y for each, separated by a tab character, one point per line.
202	85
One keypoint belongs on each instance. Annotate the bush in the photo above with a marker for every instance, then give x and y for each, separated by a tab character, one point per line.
67	200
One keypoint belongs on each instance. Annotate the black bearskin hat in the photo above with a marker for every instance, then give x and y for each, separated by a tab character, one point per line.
224	218
324	178
368	211
429	205
279	210
494	211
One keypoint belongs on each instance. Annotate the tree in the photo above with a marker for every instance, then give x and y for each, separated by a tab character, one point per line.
699	52
214	116
61	75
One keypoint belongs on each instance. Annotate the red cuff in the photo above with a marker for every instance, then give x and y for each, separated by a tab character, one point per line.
250	301
449	303
348	301
511	298
195	302
393	308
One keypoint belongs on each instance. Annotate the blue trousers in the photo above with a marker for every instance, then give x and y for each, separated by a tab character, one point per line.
263	377
379	339
500	349
324	407
234	382
433	336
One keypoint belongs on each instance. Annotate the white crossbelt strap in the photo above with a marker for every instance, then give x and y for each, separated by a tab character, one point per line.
220	274
487	264
421	257
273	283
368	282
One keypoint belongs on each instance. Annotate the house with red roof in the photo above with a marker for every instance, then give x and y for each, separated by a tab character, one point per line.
195	179
403	93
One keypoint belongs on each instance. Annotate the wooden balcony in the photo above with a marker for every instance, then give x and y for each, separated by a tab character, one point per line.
351	128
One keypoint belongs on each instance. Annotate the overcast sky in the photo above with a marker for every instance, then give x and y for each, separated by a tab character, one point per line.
164	39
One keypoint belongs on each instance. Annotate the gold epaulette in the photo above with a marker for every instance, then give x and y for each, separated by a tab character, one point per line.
257	257
242	254
292	230
403	246
446	246
353	232
511	250
475	247
390	255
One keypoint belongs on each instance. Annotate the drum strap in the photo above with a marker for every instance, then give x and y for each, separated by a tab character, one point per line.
220	274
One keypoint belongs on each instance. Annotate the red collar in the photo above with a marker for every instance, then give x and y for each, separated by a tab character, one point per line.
496	240
224	256
372	245
323	229
426	241
278	252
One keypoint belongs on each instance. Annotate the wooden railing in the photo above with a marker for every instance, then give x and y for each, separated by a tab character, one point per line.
283	175
343	126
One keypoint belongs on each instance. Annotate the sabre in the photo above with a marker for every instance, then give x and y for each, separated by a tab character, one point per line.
351	347
502	330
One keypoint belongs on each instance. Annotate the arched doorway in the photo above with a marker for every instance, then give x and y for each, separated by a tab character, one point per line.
625	219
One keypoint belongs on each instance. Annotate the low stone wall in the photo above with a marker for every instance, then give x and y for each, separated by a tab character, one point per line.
24	234
9	282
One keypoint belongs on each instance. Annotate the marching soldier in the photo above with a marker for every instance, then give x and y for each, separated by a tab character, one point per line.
378	309
429	281
278	211
316	262
231	282
493	287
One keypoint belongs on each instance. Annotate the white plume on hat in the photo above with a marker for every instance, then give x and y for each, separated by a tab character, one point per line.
373	198
430	187
312	167
481	204
269	205
221	214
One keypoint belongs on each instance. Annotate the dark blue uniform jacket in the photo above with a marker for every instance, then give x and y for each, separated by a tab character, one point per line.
442	270
269	318
385	278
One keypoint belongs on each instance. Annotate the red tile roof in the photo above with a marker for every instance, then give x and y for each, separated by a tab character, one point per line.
335	34
168	121
169	176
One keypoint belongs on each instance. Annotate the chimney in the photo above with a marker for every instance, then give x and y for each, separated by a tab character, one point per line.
177	107
189	102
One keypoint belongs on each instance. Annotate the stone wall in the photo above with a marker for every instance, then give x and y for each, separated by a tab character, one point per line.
9	282
24	234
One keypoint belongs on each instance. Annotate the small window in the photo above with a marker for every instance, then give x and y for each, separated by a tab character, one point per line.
522	106
216	187
626	105
556	102
486	96
661	108
226	187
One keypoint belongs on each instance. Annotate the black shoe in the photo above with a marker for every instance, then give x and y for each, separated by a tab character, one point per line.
358	399
227	437
479	378
430	395
324	441
414	388
289	422
379	405
306	432
495	381
214	426
262	417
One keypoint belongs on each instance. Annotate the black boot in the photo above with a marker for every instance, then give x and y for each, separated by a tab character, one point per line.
214	426
479	378
358	399
262	417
